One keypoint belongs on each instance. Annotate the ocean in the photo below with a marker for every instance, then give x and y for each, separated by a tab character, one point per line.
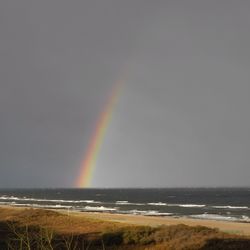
230	204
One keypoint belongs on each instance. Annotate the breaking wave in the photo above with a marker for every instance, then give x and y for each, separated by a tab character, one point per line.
191	205
146	212
98	209
14	198
128	203
231	207
157	204
220	217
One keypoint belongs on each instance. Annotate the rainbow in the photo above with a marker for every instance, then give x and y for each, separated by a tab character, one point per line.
90	158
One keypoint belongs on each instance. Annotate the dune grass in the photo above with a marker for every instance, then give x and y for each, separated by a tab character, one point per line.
27	229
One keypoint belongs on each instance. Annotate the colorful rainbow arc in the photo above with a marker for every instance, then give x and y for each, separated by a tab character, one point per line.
89	162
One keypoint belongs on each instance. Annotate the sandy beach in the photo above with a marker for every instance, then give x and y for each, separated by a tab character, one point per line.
154	221
98	228
225	226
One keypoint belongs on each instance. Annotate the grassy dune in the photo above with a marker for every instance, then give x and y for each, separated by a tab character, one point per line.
22	228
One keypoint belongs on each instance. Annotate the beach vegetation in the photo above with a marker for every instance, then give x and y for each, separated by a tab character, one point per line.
28	229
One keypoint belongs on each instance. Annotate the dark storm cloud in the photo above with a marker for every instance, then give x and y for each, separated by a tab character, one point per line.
183	118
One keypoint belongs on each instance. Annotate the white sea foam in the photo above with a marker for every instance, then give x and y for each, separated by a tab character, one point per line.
191	205
231	207
156	213
7	203
87	201
157	203
57	206
175	205
101	208
4	197
135	211
128	203
123	203
146	212
214	217
245	218
47	200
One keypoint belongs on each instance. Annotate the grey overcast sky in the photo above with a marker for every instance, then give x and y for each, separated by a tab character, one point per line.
183	118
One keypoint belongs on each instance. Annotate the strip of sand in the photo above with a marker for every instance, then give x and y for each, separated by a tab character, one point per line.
153	221
225	226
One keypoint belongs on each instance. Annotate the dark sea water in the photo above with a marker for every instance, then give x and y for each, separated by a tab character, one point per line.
231	204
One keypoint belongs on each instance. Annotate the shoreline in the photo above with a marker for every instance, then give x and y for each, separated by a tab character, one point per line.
240	228
233	227
212	217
